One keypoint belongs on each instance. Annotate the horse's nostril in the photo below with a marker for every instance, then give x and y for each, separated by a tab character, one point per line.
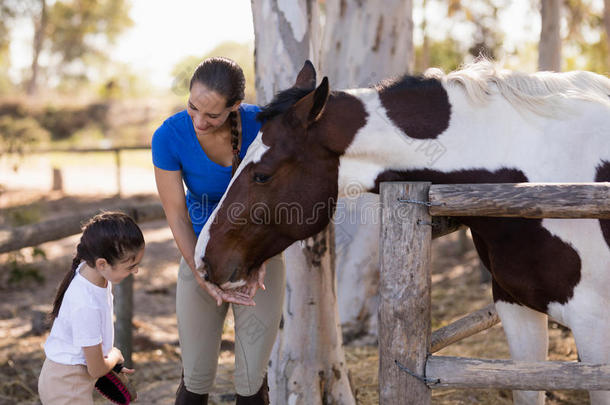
233	275
206	269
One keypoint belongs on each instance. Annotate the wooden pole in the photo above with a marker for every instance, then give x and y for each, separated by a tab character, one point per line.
462	328
525	200
123	308
404	310
57	228
458	372
117	159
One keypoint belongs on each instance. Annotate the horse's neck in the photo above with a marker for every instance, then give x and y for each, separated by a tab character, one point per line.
379	146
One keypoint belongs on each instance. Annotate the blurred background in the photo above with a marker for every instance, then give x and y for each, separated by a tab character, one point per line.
85	83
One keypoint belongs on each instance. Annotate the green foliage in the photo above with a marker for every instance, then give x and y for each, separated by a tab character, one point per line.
24	215
589	56
19	133
73	33
63	122
124	83
483	16
22	272
74	23
441	54
7	13
242	54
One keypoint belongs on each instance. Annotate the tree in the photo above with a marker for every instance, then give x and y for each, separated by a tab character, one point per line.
585	18
72	31
305	367
363	43
549	48
483	16
607	30
358	45
40	26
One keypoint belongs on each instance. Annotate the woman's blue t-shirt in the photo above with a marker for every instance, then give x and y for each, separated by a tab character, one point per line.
175	147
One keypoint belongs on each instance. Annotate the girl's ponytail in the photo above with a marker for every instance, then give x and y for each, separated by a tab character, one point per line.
61	291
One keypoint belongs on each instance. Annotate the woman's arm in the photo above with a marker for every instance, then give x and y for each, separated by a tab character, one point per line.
171	192
97	364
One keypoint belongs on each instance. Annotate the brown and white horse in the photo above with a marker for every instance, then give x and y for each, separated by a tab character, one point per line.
476	125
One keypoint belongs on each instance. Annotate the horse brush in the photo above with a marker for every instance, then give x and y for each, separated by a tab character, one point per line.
114	387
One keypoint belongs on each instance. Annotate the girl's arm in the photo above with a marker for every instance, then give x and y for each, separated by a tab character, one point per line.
97	364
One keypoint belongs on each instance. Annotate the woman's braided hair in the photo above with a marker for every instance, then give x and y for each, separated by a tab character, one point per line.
234	140
225	77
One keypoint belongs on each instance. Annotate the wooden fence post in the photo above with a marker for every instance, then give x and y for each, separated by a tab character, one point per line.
404	310
117	160
123	308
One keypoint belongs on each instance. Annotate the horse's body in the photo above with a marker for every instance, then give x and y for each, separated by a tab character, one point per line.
472	126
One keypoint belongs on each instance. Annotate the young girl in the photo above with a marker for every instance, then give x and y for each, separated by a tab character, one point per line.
80	348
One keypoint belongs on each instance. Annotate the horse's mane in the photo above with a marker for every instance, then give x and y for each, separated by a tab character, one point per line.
545	93
281	102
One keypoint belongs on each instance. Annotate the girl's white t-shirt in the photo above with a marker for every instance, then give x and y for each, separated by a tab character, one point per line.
85	319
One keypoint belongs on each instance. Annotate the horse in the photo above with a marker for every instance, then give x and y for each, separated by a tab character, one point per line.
480	124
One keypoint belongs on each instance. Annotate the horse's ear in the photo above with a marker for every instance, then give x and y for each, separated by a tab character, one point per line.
320	98
306	79
310	108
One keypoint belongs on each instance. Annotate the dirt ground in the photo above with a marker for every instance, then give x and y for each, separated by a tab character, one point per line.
456	291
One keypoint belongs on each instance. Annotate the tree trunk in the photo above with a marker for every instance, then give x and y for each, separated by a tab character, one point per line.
363	43
424	62
286	34
307	362
607	29
357	246
40	27
549	48
366	41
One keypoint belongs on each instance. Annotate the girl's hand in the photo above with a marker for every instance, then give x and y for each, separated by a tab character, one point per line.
116	353
220	295
126	370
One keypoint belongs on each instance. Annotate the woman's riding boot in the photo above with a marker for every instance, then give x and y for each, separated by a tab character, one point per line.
260	398
184	397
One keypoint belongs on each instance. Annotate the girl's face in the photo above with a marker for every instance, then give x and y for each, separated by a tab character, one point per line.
122	268
208	109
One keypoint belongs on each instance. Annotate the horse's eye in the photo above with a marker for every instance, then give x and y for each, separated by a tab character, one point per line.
261	178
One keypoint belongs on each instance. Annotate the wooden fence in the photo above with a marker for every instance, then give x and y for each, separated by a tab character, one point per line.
116	151
407	371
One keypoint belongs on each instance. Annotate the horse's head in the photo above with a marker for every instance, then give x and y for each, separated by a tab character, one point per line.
284	190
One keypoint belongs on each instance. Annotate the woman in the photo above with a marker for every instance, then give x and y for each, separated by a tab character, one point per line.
202	146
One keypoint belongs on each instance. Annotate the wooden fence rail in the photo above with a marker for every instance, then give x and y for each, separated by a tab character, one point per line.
58	228
116	150
459	372
525	200
405	340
